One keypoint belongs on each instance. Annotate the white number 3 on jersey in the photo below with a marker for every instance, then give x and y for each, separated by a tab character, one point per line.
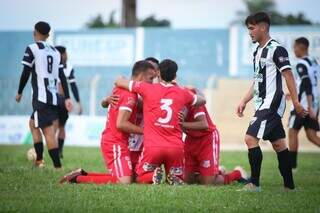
165	105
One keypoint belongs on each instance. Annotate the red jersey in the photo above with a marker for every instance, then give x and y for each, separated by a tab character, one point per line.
161	105
127	101
193	113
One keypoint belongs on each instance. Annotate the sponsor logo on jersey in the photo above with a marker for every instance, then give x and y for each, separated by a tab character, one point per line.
206	164
283	59
148	167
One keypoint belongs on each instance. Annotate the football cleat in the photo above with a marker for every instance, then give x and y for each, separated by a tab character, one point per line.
250	187
39	164
71	177
174	180
157	176
244	176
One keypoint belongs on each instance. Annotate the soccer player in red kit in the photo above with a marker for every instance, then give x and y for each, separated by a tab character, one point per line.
202	150
162	103
114	142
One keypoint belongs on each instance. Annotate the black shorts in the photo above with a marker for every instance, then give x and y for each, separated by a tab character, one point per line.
296	122
43	114
63	113
266	125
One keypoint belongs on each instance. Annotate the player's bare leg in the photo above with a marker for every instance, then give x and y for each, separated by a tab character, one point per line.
313	137
190	178
49	134
293	146
284	163
125	180
61	137
37	143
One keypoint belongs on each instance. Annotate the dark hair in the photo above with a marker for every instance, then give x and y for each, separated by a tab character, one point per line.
141	66
302	40
257	18
154	60
168	70
42	27
61	49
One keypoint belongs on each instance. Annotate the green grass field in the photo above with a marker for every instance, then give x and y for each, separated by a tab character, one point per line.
26	189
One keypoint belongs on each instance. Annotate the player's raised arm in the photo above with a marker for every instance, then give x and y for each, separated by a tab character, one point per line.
242	105
64	85
123	83
74	89
110	100
200	98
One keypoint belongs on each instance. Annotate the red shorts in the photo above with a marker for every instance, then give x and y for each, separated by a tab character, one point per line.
117	158
134	156
153	157
202	154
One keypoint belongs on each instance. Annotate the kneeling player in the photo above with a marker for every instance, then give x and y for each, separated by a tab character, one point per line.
114	142
202	150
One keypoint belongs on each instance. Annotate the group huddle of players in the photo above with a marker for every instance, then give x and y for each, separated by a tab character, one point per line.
148	114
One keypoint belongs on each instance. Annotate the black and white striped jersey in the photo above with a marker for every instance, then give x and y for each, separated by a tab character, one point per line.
306	76
269	61
44	61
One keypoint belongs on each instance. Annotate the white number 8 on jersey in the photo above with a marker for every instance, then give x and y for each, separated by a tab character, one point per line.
166	107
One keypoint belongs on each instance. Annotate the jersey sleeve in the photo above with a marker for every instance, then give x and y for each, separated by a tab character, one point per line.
128	102
281	58
190	98
71	77
305	85
28	58
139	87
198	111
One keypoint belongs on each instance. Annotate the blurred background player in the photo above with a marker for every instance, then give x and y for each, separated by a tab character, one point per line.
120	123
306	75
162	103
62	111
202	150
271	63
44	63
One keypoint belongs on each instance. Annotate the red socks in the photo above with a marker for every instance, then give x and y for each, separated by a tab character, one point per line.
231	177
96	178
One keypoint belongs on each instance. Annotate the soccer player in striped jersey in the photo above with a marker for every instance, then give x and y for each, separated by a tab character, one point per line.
43	62
271	63
62	111
306	75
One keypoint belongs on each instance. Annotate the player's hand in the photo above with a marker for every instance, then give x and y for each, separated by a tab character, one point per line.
312	114
113	99
68	104
80	109
299	109
18	97
288	97
240	109
181	117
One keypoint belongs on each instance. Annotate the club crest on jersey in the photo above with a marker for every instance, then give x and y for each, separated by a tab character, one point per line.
263	62
176	170
206	164
300	69
148	167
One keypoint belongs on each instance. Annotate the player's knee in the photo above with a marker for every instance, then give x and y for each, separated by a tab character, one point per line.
125	180
279	145
251	141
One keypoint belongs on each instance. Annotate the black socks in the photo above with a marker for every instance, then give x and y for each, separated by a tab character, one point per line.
293	159
255	160
61	143
54	154
38	147
285	168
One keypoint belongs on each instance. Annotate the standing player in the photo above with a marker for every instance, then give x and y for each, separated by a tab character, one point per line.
202	150
62	111
114	142
43	62
307	85
271	63
162	103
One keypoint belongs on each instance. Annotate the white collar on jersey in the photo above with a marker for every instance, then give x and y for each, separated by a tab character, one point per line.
266	43
166	85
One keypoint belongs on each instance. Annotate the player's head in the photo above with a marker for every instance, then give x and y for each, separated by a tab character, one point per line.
155	64
168	70
143	71
258	25
41	31
63	52
300	47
